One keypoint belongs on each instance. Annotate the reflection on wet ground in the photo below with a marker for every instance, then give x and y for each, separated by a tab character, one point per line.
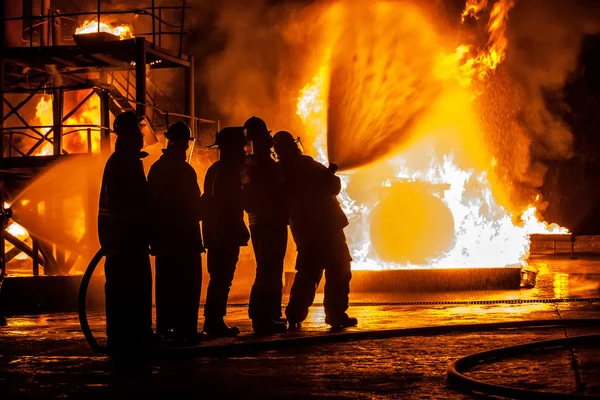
46	355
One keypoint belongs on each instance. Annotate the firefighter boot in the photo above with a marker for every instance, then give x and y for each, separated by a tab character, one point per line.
218	328
343	321
268	326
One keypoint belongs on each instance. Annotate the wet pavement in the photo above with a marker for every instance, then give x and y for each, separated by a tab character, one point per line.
47	356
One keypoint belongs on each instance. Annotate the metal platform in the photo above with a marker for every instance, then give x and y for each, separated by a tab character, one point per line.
117	53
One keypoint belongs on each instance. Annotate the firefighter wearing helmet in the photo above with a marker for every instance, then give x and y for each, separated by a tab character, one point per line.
123	235
223	227
268	219
317	223
176	211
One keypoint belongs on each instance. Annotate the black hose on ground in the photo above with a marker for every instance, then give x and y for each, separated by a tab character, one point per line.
460	382
81	304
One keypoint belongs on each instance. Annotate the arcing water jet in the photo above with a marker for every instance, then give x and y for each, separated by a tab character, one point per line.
382	79
61	206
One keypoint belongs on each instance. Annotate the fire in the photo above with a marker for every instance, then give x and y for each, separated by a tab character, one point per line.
495	51
485	232
122	31
43	113
76	139
473	8
20	233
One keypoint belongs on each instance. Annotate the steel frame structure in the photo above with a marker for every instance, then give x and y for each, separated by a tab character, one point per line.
115	71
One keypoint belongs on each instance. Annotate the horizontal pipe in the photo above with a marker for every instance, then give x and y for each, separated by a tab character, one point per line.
143	11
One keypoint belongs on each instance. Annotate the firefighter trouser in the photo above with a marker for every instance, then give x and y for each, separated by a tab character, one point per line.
310	264
178	284
128	292
269	242
221	268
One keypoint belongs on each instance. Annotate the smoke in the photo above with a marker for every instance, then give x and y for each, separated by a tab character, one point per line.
264	58
524	103
265	53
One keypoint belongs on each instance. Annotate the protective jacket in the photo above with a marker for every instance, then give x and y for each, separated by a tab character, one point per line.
316	217
264	200
175	206
123	206
223	224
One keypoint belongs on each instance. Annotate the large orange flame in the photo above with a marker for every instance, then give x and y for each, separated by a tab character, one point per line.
486	233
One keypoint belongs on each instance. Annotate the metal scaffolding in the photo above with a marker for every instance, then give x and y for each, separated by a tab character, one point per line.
39	58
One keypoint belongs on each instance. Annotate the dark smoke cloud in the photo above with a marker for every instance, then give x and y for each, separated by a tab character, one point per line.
524	128
258	61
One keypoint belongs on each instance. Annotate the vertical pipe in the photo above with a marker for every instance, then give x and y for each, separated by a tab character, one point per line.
56	29
105	122
44	8
89	140
31	25
153	23
2	243
99	1
160	26
3	44
190	105
57	114
181	28
140	76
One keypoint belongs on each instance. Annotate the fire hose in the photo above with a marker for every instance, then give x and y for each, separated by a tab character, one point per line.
81	304
455	377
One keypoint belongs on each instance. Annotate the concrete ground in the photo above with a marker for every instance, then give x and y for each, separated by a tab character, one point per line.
47	356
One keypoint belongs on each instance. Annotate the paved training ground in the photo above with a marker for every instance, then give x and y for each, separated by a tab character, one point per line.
46	355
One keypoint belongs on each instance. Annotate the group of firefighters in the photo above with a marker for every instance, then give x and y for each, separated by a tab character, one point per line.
161	216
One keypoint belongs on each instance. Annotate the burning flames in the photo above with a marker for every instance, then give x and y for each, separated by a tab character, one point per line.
122	31
486	233
495	52
77	138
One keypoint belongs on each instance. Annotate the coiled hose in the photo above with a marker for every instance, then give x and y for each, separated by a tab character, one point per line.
460	382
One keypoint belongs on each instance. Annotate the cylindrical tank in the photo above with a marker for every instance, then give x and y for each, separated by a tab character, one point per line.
13	30
411	225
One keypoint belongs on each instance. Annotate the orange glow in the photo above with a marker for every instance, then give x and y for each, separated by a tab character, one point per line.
122	31
76	140
445	148
20	233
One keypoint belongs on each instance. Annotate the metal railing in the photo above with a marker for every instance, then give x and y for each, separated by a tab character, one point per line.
160	26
